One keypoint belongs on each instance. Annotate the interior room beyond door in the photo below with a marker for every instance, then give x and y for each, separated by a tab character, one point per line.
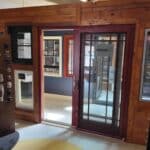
101	81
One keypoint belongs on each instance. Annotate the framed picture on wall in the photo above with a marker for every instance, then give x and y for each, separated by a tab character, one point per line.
145	78
68	55
52	46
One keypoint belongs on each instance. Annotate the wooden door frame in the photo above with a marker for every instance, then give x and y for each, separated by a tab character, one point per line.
130	29
41	70
127	66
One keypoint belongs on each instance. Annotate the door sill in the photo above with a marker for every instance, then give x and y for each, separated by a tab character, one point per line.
100	134
56	124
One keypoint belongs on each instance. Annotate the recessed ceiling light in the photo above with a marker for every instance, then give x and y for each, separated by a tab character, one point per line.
83	0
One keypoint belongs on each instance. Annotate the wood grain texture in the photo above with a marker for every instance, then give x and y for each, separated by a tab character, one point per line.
114	15
68	14
111	12
36	64
139	112
7	108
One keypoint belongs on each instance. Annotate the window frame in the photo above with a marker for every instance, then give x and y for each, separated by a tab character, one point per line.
60	38
146	31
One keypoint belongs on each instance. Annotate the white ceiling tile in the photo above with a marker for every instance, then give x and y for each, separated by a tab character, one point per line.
29	3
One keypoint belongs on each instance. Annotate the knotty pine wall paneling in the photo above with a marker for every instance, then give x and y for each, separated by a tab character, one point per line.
135	12
139	111
58	15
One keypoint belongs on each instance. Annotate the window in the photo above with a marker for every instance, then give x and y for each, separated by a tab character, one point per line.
145	84
68	55
53	55
21	37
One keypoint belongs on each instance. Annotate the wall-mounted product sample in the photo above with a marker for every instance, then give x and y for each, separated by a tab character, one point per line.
24	89
52	46
145	78
59	84
7	104
21	37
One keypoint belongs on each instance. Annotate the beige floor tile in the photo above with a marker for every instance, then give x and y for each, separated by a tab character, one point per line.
85	141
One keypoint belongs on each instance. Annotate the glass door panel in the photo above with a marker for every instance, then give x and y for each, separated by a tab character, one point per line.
101	77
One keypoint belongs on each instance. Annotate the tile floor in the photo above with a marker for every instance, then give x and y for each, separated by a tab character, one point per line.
58	108
83	140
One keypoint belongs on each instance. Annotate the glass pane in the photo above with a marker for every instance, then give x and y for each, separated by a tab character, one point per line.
24	89
100	55
24	38
24	52
145	89
101	37
105	66
70	57
87	36
24	45
52	55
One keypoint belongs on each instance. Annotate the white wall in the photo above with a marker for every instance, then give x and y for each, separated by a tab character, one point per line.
23	3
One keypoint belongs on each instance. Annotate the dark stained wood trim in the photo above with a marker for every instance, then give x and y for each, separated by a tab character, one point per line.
36	75
126	82
129	29
22	67
76	74
41	73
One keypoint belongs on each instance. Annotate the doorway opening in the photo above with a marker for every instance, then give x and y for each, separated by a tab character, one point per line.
57	64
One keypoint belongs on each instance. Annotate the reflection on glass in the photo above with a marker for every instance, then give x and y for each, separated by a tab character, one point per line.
24	89
24	52
23	38
100	55
24	45
145	86
70	57
52	55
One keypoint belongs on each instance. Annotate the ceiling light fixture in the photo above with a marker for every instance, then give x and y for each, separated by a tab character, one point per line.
84	0
93	1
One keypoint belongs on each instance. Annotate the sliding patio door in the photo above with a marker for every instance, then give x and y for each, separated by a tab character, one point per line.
101	81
